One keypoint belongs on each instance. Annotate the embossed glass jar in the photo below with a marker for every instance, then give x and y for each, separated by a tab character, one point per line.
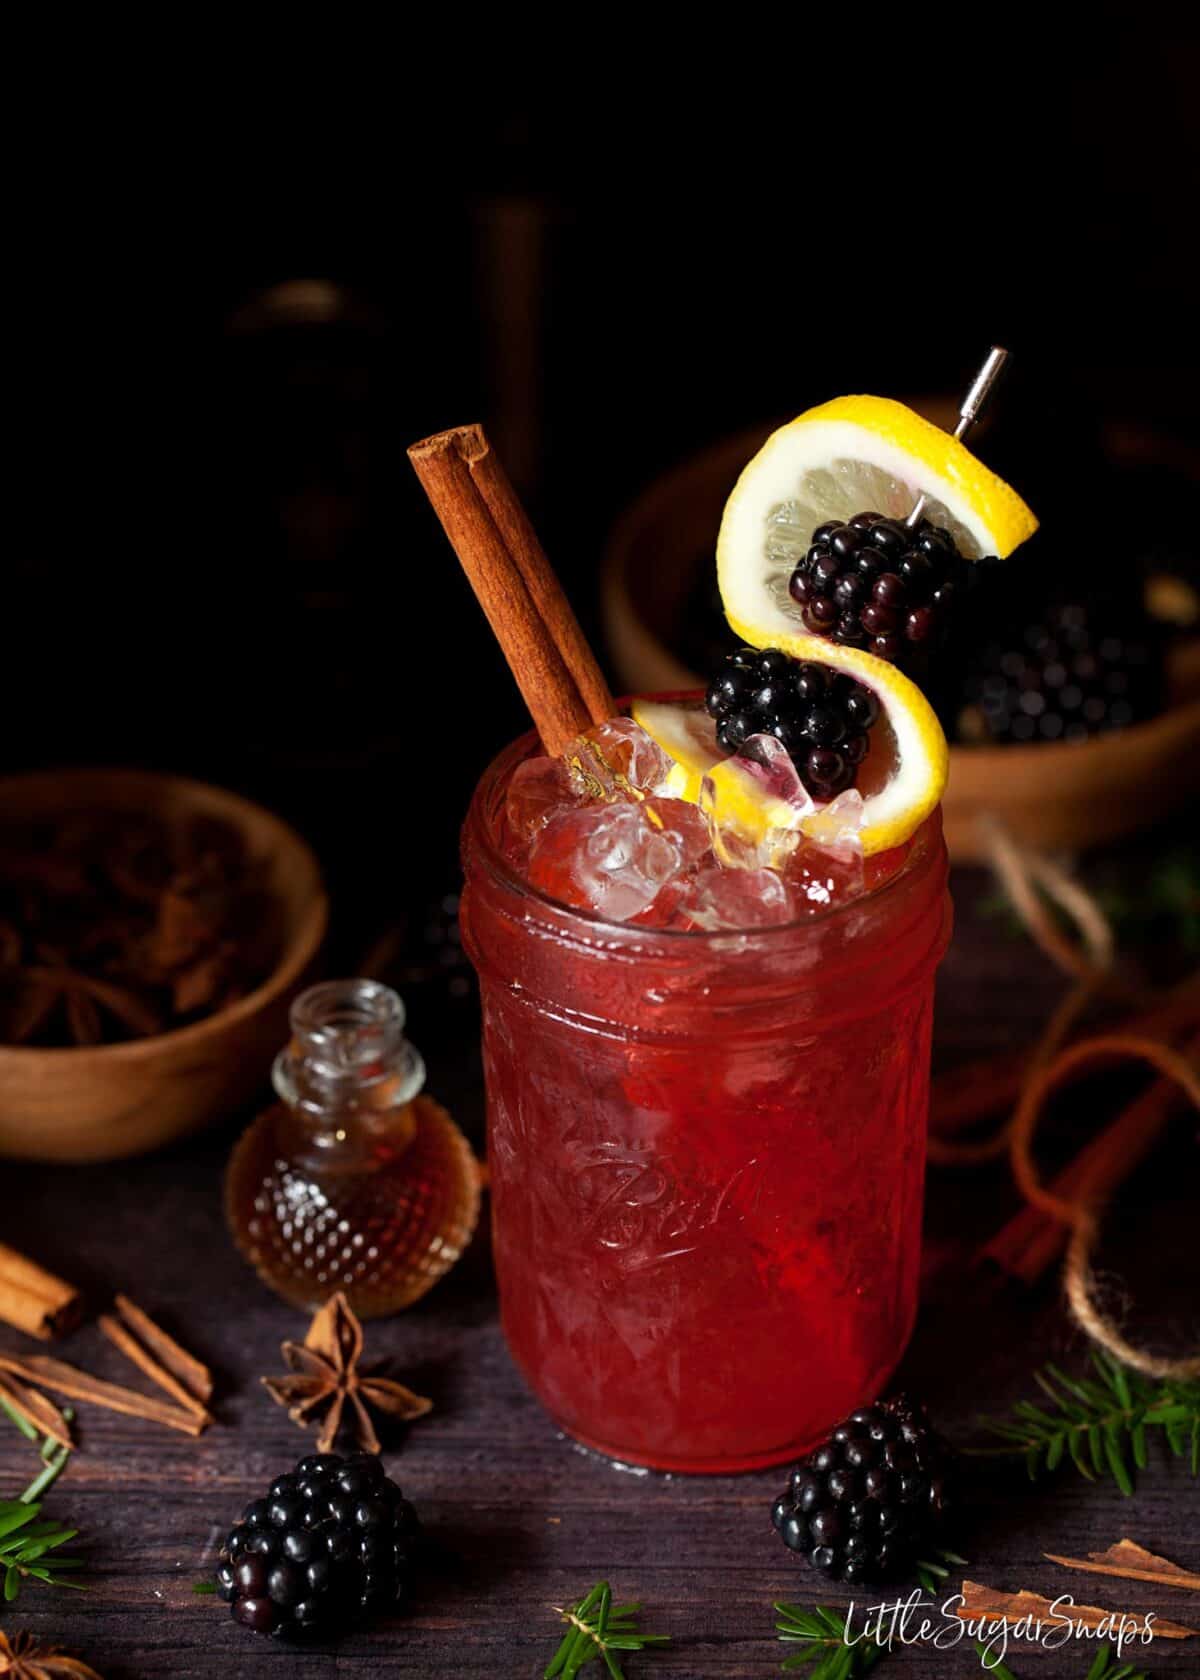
707	1154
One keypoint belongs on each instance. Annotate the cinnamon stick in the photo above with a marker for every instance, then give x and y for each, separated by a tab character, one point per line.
1032	1239
979	1600
966	1095
81	1385
145	1361
512	579
33	1299
195	1377
521	541
1132	1562
43	1414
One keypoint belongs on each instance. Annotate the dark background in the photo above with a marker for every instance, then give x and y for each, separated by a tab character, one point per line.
231	569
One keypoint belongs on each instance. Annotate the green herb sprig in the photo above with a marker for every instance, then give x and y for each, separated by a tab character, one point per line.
597	1629
1100	1425
25	1544
931	1572
822	1631
821	1634
1107	1666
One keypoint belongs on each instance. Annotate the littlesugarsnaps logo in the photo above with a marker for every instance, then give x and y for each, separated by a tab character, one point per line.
917	1620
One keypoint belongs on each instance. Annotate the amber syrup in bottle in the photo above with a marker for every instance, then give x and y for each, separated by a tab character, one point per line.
354	1180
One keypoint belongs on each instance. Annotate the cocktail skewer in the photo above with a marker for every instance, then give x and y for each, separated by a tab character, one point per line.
972	406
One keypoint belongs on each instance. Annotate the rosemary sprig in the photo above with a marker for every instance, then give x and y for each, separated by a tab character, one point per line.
54	1454
992	1665
821	1633
22	1423
596	1629
931	1572
1100	1425
24	1543
1106	1666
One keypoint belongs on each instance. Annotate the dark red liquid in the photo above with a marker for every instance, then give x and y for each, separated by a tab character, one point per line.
707	1156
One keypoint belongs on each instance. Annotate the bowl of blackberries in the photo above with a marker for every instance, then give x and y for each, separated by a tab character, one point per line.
329	1546
1066	677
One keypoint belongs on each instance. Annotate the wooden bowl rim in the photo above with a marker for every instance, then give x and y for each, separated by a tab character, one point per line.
297	955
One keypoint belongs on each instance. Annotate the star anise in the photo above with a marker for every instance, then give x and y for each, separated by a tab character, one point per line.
326	1373
25	1658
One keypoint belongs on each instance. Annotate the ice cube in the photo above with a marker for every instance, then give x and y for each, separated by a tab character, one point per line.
838	826
738	899
770	763
539	790
618	760
684	823
609	858
765	768
669	909
735	849
826	866
819	879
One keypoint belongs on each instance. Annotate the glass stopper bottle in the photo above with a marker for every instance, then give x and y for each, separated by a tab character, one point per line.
354	1179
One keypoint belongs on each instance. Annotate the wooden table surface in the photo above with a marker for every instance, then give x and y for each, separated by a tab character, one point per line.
522	1519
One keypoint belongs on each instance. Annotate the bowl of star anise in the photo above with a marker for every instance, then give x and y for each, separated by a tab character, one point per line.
153	931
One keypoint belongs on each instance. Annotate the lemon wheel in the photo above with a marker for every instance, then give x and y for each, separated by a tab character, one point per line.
834	462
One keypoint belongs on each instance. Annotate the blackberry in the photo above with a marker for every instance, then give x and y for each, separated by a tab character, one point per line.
331	1543
865	1502
872	583
822	717
1076	671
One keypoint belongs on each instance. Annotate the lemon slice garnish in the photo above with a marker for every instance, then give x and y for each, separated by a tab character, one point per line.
900	780
687	735
835	461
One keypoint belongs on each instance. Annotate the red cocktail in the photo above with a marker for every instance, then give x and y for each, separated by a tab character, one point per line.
706	1150
706	942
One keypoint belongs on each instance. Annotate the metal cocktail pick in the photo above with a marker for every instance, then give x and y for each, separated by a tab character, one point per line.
972	406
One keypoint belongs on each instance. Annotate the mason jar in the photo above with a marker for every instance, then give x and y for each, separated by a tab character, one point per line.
707	1154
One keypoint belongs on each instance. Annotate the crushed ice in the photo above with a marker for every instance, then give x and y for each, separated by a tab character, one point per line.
598	828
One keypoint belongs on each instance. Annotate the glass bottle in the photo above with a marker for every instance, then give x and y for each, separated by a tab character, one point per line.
353	1180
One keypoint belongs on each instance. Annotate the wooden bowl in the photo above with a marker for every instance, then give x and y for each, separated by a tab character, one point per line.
1055	795
104	1102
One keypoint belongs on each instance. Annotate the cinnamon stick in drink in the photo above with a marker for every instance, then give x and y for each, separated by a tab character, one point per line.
34	1300
530	617
521	541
